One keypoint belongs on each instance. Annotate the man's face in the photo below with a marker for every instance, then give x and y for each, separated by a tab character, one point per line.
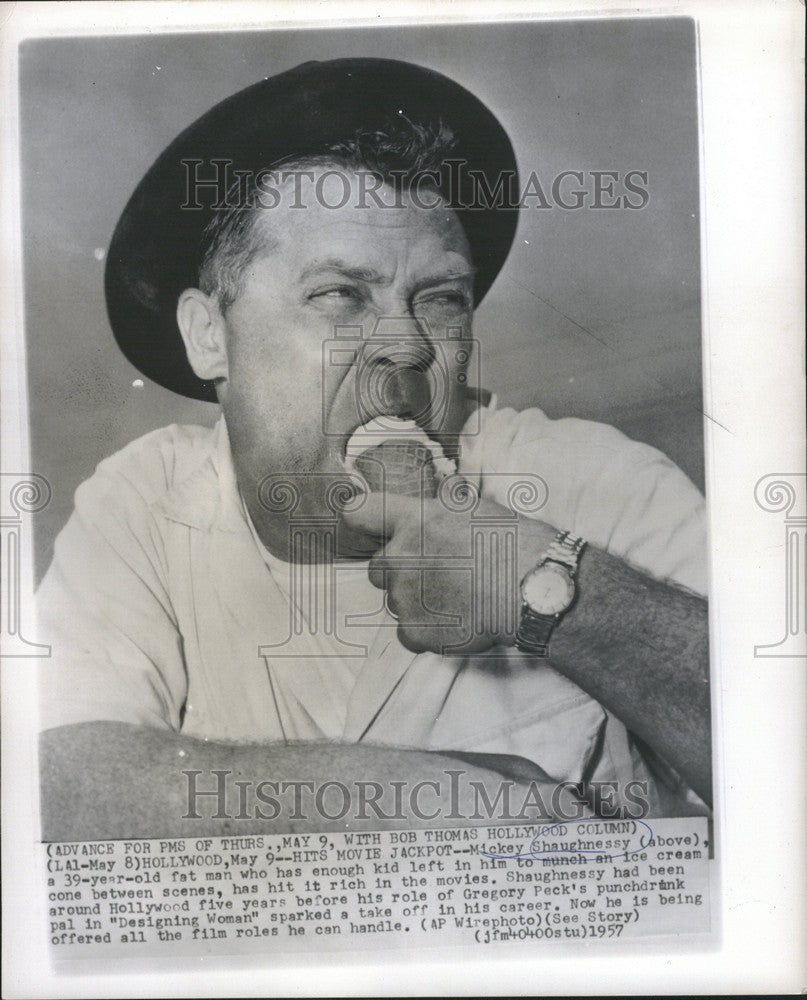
289	409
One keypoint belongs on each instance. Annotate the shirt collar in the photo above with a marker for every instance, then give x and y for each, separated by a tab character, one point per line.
208	498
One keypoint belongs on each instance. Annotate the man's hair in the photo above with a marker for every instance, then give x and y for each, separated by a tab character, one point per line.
401	155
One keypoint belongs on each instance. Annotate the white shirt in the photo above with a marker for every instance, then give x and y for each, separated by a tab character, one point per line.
163	610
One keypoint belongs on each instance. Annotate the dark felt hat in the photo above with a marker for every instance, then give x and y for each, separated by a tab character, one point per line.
156	248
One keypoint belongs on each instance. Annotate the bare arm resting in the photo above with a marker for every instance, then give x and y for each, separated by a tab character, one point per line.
638	646
641	648
114	780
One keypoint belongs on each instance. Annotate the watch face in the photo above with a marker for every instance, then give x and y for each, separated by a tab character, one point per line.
549	589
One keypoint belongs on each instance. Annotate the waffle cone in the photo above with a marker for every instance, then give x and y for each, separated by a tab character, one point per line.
402	467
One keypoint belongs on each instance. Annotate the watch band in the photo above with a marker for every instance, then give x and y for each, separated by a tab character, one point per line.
565	549
535	629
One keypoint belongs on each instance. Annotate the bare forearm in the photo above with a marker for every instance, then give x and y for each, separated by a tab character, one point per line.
640	647
114	780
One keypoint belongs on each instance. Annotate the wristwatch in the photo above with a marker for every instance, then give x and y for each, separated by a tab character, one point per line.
547	593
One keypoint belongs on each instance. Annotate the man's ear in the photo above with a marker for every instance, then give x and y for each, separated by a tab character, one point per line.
203	330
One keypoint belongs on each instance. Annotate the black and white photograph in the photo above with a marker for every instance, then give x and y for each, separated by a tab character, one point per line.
367	420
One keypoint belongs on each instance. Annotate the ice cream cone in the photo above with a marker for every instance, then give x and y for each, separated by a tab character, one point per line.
404	467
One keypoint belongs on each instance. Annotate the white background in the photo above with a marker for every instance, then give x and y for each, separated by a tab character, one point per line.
754	370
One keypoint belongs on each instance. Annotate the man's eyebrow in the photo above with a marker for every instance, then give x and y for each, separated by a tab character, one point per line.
456	274
368	274
341	267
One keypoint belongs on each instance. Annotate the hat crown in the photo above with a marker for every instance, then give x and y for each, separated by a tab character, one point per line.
155	251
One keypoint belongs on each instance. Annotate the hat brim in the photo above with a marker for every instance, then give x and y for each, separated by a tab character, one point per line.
155	250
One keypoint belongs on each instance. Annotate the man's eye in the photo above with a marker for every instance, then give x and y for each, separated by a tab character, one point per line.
455	300
337	293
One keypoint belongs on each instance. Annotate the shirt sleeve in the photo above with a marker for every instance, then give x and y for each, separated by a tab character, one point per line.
621	495
104	607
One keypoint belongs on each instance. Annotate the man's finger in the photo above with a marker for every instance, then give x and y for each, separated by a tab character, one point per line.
377	572
380	571
381	513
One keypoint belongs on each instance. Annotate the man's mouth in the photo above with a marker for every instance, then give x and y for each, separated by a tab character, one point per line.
397	456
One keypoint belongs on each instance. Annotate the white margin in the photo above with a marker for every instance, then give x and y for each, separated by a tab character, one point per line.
753	265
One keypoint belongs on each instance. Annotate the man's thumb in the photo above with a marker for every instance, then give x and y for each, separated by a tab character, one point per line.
379	513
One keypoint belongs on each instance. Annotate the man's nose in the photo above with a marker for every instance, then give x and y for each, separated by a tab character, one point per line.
395	367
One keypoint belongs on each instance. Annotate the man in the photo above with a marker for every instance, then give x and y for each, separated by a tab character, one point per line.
193	594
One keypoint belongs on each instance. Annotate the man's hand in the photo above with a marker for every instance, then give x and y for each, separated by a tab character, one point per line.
636	645
451	576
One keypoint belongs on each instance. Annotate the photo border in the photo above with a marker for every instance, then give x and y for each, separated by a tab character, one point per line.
751	103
